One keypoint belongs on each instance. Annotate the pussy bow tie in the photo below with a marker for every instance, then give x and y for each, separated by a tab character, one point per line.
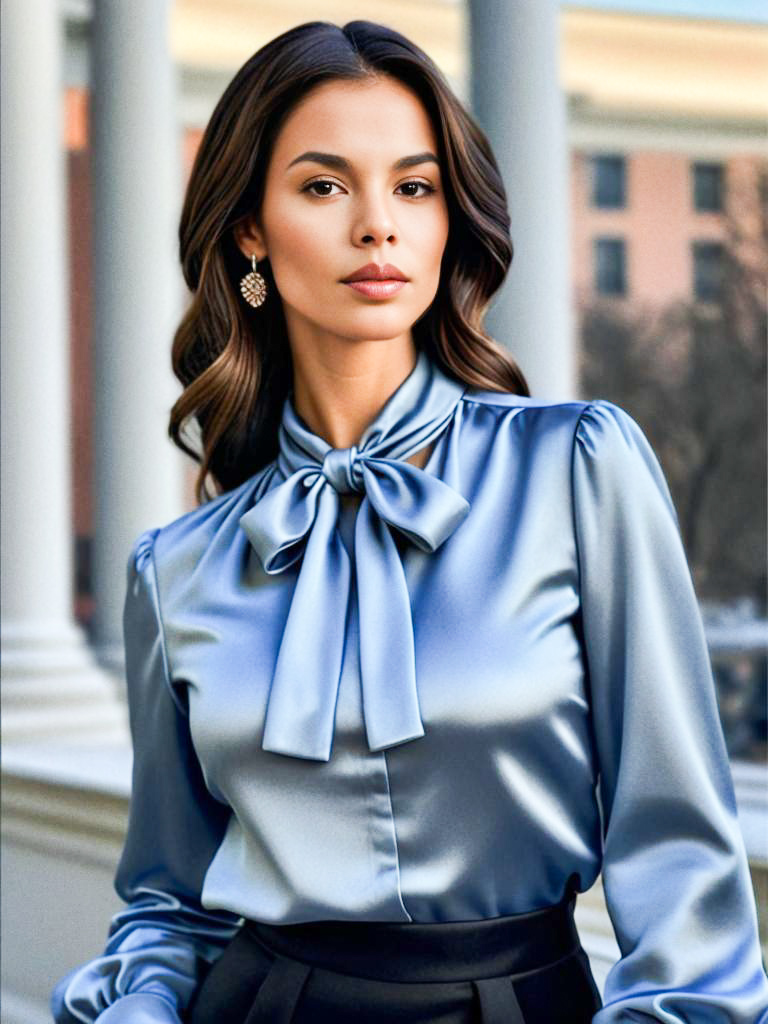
298	519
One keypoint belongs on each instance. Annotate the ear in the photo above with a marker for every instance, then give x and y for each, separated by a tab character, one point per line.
249	238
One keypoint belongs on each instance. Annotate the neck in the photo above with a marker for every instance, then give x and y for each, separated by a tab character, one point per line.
338	392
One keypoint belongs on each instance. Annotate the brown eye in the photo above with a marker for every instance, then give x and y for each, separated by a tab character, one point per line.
417	184
315	184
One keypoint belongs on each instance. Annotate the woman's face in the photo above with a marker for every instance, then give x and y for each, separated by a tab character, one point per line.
324	217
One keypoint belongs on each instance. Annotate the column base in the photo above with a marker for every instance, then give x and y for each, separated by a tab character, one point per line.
54	689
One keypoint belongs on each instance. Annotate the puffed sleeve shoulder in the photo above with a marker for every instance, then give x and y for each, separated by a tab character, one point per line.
675	871
160	943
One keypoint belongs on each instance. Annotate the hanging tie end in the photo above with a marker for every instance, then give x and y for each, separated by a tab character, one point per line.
378	741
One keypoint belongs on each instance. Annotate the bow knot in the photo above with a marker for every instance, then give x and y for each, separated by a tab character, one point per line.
297	520
340	470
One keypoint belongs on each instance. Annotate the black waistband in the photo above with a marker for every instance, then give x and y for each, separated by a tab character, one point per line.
439	951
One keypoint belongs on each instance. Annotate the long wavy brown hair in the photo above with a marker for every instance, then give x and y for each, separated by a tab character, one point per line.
235	361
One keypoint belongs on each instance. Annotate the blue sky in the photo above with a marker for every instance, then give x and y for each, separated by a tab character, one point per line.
732	10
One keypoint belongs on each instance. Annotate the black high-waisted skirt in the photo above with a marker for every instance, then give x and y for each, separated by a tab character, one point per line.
518	969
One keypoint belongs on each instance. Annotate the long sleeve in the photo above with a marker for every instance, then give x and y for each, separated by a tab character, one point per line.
675	871
160	942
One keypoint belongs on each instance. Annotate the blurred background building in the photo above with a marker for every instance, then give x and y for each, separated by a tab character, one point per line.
632	139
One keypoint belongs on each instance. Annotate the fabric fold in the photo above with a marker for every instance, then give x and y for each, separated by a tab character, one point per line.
297	522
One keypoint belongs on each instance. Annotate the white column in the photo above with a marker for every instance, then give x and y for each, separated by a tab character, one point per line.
137	298
518	101
50	681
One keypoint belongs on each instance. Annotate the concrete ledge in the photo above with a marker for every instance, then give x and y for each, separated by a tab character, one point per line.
17	1010
64	815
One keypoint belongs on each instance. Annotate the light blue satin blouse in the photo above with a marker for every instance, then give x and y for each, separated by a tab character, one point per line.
488	678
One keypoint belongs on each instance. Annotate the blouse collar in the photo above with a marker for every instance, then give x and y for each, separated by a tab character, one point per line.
295	523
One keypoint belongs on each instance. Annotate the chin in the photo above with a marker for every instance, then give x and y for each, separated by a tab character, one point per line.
375	324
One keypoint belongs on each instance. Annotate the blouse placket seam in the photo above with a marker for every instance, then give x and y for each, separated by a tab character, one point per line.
396	843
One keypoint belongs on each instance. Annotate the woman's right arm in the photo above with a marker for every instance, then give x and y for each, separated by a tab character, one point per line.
159	945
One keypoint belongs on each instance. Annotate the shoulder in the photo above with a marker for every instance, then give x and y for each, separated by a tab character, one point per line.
585	431
607	426
615	467
592	410
595	423
184	540
530	418
610	437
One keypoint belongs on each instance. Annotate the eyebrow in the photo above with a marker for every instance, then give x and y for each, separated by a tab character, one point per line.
341	164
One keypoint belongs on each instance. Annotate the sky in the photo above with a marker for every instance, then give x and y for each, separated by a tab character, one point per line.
732	10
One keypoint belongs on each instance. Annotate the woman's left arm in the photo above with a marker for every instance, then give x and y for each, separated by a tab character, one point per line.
675	872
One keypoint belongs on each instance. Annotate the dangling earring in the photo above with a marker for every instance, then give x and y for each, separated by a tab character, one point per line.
253	286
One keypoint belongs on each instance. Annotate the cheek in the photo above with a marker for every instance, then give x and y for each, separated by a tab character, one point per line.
295	243
299	251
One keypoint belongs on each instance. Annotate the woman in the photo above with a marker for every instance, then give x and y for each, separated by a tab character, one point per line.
432	657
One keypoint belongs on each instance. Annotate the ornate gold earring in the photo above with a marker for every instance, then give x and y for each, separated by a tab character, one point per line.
253	286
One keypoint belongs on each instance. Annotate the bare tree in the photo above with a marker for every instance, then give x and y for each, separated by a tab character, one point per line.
694	377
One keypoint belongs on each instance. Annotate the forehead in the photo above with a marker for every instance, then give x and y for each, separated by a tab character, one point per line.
383	118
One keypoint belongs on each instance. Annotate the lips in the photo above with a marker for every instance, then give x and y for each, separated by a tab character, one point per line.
373	272
376	289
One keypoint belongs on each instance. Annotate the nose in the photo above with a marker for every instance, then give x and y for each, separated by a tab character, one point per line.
375	222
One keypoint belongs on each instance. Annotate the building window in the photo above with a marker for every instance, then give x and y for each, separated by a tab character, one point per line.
608	182
610	266
708	267
708	187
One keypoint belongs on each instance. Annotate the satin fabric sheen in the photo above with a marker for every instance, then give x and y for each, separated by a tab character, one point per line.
297	521
564	689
